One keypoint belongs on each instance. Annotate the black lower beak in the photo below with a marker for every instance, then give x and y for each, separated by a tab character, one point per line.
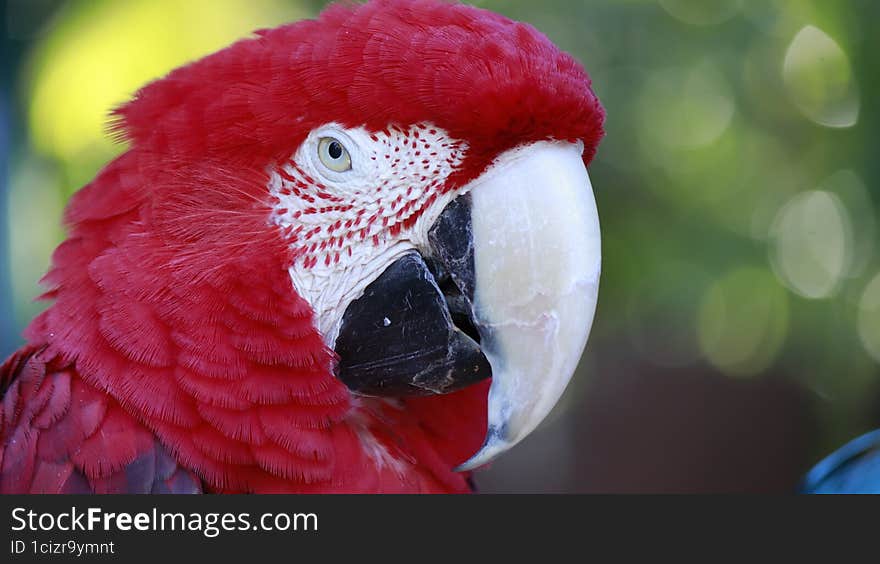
411	332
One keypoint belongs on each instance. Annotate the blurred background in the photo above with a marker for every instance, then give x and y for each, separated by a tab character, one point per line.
738	334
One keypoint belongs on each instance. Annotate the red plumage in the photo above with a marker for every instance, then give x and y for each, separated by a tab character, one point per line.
176	355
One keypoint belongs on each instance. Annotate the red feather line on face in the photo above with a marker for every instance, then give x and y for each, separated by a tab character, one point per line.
172	293
399	178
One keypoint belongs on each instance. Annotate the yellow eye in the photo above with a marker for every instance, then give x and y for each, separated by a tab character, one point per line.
333	154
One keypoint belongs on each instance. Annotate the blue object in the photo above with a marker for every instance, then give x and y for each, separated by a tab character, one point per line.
853	469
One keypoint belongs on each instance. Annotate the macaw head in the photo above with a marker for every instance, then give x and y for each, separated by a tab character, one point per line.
393	197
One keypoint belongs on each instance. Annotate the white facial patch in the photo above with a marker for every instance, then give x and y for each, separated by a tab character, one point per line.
346	227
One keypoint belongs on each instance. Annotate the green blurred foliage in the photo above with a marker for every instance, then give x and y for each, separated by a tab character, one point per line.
737	185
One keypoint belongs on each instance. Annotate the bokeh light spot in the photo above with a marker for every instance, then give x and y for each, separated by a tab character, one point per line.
743	321
812	237
849	187
869	318
818	77
685	108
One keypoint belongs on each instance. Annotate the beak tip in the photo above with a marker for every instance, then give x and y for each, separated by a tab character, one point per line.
495	444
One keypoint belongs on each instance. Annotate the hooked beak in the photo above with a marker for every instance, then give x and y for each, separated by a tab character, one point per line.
506	286
537	255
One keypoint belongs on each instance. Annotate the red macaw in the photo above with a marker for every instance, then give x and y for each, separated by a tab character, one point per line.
352	254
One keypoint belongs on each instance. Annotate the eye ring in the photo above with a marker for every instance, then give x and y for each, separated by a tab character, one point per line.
333	154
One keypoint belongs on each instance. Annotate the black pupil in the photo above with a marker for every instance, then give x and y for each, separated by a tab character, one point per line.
335	150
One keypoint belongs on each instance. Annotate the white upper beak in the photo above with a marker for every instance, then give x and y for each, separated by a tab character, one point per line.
537	257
